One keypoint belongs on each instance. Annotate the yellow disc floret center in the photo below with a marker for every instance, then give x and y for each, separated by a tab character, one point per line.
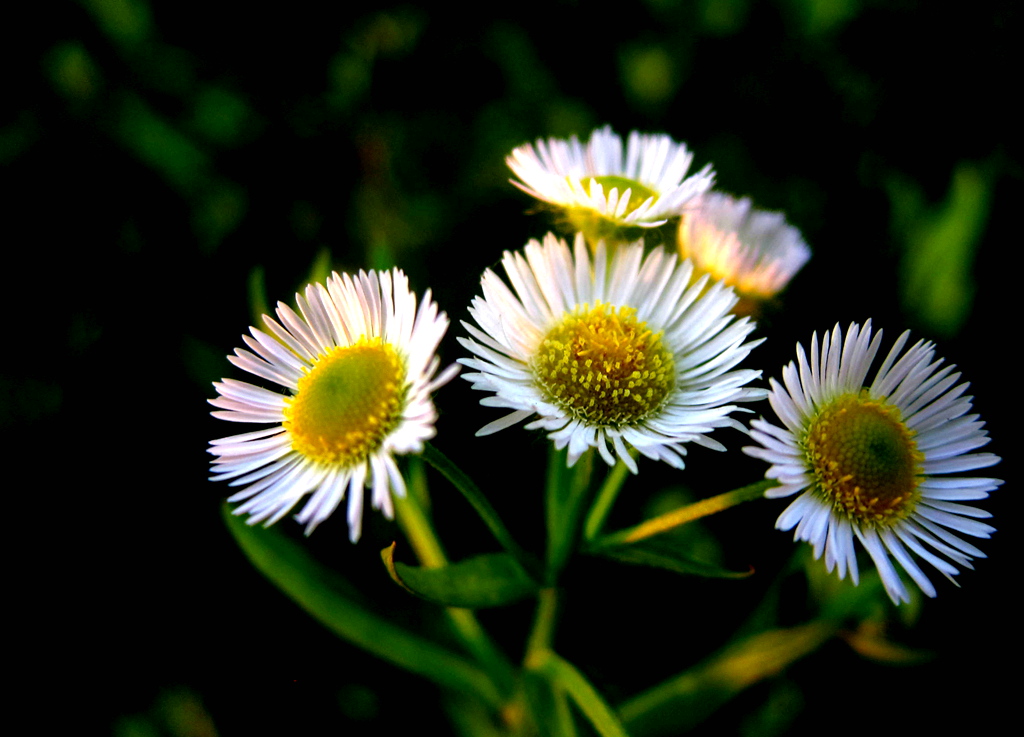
865	459
604	367
348	403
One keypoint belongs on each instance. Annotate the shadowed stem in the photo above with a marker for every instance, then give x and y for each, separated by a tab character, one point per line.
420	533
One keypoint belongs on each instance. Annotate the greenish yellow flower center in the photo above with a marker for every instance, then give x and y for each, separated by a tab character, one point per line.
638	193
597	226
865	459
348	403
604	367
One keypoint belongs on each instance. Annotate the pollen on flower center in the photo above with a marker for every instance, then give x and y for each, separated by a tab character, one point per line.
348	403
603	366
865	459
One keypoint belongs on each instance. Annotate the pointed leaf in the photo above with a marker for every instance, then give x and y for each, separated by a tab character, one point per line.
484	581
661	553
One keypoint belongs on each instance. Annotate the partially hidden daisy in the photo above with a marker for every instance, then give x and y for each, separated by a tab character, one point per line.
872	462
609	353
754	251
358	363
602	187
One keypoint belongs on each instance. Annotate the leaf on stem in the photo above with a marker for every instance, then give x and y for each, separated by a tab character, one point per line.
483	581
666	554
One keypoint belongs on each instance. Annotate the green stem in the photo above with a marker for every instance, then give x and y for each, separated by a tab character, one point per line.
563	675
689	513
420	533
543	632
605	498
483	508
566	490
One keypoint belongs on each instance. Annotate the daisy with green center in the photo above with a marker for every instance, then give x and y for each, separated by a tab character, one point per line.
753	251
871	462
359	363
609	353
602	188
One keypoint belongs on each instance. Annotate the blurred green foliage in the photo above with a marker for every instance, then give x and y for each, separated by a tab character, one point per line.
939	244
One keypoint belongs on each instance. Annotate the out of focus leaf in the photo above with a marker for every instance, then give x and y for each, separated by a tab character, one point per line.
161	146
483	581
126	21
937	285
73	72
869	640
683	701
222	116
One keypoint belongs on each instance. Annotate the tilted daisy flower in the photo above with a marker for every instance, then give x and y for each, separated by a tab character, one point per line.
609	352
603	188
753	251
871	462
358	361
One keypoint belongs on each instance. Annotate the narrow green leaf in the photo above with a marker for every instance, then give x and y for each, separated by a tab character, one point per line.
481	505
329	599
488	580
658	553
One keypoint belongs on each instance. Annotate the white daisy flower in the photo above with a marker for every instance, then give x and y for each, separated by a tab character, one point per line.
358	361
753	251
609	353
871	462
642	187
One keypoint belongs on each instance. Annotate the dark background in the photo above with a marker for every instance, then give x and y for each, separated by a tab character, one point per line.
168	166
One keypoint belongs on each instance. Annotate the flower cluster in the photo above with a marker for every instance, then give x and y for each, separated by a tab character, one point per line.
622	348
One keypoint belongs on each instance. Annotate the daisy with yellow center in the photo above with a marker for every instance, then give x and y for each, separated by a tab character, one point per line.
609	353
359	363
753	251
871	462
602	187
